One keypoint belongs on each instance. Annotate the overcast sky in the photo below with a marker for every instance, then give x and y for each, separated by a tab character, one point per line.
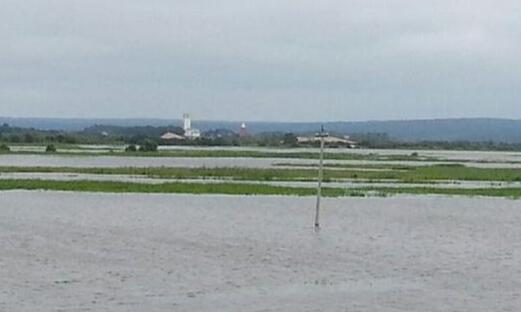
295	60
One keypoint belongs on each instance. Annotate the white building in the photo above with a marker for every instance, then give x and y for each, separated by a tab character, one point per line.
187	122
169	136
190	133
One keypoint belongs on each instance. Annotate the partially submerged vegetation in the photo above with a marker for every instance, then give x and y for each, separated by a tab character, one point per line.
50	148
4	148
371	168
424	173
402	174
242	189
188	188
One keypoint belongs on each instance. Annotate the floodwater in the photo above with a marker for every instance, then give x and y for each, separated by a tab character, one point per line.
90	161
103	252
95	149
450	155
123	161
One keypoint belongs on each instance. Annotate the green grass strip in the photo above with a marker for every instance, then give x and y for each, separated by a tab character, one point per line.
512	193
404	174
187	188
243	189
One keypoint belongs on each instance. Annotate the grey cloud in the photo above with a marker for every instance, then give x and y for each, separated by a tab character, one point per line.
268	60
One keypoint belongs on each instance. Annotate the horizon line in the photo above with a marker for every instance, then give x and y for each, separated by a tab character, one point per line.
260	121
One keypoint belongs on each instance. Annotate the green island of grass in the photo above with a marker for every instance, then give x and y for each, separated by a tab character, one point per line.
419	174
243	189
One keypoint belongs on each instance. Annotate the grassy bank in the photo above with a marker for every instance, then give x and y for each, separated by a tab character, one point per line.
403	174
428	173
242	189
187	188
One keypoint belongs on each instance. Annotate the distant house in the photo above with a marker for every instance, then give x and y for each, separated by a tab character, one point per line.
169	136
330	140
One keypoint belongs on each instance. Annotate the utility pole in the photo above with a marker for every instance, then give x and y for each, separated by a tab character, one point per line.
321	135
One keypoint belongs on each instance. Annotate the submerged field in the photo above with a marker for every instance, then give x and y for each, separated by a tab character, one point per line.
155	252
297	173
134	232
266	171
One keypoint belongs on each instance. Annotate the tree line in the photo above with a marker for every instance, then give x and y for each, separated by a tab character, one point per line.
147	137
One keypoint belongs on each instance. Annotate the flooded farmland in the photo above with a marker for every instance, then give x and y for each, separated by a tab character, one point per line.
135	252
123	161
341	183
90	161
492	156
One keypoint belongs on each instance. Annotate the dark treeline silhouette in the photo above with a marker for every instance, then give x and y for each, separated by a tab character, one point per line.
151	136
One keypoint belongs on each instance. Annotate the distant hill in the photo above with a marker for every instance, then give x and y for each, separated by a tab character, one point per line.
476	130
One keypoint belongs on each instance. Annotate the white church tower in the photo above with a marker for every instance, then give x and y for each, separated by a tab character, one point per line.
187	122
